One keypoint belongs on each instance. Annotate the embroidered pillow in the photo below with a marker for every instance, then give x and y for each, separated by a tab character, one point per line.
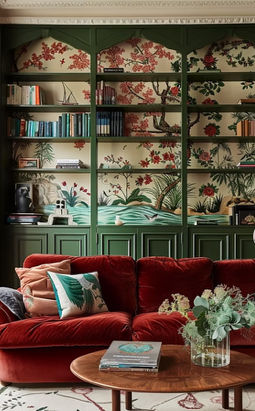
77	294
38	295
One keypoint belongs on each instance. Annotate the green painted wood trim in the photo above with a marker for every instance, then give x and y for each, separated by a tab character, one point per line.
49	107
78	37
221	139
218	108
52	170
223	76
139	170
138	139
37	76
119	77
175	108
93	148
184	120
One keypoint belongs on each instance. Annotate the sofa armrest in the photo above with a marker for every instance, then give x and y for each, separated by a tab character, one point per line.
6	316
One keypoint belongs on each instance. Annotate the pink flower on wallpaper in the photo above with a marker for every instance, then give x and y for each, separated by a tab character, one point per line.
79	144
209	101
161	52
156	159
139	181
80	60
147	179
86	94
144	163
168	144
168	156
211	130
205	156
209	60
174	90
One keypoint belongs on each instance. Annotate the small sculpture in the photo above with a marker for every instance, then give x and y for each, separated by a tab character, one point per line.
60	213
22	200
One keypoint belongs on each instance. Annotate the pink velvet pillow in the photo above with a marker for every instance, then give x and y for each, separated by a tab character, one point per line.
38	294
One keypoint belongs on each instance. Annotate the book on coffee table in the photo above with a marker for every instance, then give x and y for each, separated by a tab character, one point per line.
131	356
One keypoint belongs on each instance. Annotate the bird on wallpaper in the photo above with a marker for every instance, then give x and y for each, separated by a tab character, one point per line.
151	217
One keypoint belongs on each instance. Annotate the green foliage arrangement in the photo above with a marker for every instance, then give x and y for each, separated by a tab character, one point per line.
214	314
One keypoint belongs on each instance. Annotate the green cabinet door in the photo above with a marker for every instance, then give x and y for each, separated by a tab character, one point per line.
209	243
70	241
160	242
122	242
20	244
244	246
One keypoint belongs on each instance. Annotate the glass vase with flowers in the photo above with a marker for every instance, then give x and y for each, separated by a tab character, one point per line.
214	314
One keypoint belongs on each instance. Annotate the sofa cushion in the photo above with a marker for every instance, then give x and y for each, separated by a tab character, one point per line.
158	327
116	275
243	337
50	331
35	282
240	273
77	294
159	277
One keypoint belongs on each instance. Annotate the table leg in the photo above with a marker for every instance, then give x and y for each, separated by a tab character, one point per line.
128	400
115	400
225	398
238	398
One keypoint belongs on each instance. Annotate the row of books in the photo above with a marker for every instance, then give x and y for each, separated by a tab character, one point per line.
70	163
131	356
67	125
105	94
243	163
24	95
109	123
245	128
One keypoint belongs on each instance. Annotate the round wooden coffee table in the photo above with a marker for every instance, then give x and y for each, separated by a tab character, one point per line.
176	374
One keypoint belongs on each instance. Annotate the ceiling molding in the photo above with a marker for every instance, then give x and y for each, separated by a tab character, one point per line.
126	21
20	4
127	11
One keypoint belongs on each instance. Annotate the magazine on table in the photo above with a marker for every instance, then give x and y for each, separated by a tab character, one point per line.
131	356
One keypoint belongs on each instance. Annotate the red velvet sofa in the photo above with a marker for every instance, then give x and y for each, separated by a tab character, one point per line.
41	349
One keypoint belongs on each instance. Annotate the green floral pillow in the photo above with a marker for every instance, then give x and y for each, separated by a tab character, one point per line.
77	294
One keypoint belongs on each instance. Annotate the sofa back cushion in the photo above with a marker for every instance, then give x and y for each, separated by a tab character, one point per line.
116	275
159	277
240	273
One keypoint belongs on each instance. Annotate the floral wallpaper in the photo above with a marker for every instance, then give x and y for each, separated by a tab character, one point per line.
144	197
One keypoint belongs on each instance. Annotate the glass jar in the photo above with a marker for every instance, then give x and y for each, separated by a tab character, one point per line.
211	353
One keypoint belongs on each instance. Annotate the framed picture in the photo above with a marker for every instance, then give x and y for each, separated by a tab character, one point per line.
29	162
244	214
24	197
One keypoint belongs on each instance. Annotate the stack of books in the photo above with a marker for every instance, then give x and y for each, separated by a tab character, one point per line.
131	356
69	163
205	221
246	163
245	128
23	218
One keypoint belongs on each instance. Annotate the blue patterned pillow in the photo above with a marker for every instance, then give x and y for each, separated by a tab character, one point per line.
13	299
77	294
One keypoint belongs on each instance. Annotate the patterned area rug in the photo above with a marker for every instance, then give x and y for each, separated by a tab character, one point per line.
91	398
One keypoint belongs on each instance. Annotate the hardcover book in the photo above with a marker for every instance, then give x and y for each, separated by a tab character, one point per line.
131	356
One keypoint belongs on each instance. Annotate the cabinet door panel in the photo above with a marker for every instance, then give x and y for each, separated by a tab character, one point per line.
165	245
244	246
213	245
72	244
25	244
118	244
